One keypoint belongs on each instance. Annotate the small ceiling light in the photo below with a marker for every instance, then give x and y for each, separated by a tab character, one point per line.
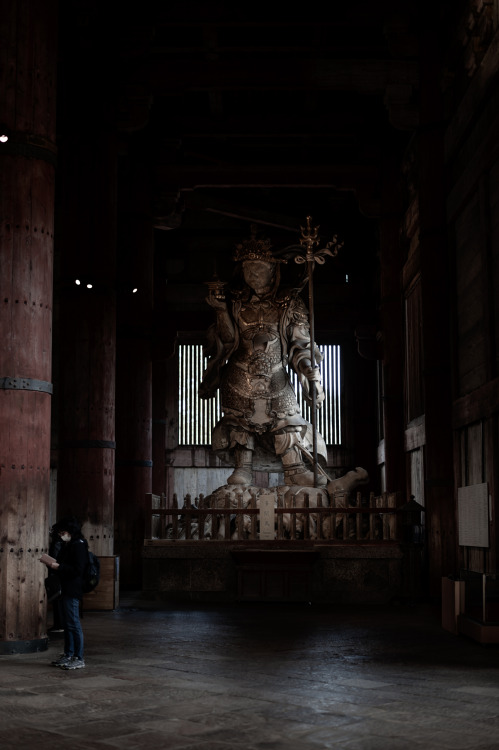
77	282
134	290
4	133
89	286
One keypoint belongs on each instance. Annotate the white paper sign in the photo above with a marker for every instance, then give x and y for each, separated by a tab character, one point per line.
473	515
267	516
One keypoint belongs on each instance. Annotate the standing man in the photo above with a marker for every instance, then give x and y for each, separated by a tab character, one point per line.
70	566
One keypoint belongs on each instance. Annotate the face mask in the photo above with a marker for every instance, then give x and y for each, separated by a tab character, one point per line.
65	537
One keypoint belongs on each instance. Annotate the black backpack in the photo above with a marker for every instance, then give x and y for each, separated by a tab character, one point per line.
91	576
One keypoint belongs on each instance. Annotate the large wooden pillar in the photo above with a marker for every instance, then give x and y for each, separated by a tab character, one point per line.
87	337
159	379
435	291
27	173
86	275
134	376
392	325
161	365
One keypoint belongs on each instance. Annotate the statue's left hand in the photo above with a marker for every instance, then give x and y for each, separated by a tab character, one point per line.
218	303
313	376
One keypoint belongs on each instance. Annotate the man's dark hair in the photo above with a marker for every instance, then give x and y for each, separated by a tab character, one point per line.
69	523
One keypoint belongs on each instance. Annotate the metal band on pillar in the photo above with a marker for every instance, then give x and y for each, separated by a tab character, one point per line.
145	464
25	384
90	444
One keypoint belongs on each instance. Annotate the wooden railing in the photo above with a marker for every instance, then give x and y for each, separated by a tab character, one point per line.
351	519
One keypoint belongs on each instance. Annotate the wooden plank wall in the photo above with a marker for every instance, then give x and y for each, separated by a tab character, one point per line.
494	261
472	465
473	205
471	350
414	396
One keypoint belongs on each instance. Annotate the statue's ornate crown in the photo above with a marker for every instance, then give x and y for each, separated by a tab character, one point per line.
255	249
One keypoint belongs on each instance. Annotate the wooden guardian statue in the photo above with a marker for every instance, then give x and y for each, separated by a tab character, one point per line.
261	329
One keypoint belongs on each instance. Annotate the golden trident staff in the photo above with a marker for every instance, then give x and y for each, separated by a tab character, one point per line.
305	253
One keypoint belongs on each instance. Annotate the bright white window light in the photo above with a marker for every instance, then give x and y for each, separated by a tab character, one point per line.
328	420
197	417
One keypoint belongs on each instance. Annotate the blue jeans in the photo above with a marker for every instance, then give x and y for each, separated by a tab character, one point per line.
73	634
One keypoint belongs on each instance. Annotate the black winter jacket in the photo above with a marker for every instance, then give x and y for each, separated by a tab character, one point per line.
72	559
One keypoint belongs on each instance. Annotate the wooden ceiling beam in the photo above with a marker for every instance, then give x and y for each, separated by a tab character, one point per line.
255	126
342	177
160	76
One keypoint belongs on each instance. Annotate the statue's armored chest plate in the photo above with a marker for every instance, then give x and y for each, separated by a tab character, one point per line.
259	340
259	314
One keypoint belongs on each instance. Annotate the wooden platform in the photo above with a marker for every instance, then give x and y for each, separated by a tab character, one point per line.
275	575
278	571
484	633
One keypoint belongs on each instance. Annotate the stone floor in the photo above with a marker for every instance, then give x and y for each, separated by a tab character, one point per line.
257	676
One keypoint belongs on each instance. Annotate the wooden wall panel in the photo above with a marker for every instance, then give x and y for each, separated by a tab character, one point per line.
198	481
435	304
86	397
475	470
416	475
414	393
171	409
470	333
476	462
133	377
494	260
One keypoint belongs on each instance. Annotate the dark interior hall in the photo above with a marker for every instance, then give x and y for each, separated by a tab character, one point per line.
139	146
